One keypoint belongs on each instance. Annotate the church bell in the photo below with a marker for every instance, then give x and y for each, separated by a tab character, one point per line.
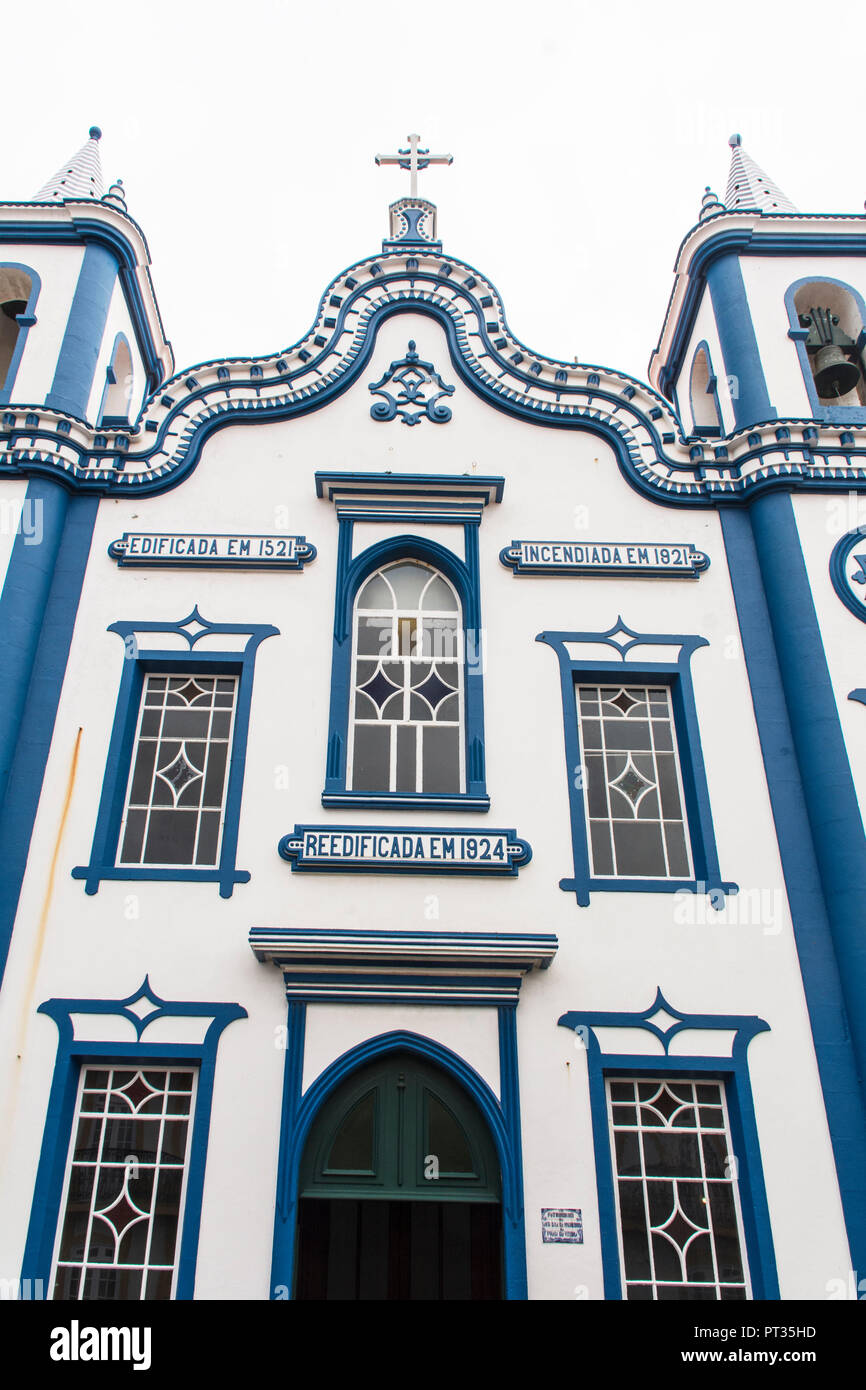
832	354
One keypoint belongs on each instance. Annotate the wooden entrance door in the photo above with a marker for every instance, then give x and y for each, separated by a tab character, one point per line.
399	1191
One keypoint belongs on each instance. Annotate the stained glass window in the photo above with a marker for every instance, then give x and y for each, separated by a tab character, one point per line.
407	689
119	1234
176	794
633	797
676	1180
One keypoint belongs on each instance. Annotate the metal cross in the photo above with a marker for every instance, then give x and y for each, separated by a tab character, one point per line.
414	159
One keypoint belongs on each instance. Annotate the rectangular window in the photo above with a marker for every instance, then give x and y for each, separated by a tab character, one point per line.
175	799
676	1179
636	822
125	1184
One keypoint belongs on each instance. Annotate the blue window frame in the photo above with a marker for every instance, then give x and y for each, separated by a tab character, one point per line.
684	827
193	834
630	1270
60	1140
461	576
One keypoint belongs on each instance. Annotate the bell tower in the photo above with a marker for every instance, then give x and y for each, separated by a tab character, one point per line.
80	331
767	318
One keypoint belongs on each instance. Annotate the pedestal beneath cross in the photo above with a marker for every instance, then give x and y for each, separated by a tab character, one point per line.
413	219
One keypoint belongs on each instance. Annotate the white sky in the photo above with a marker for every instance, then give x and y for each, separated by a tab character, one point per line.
583	136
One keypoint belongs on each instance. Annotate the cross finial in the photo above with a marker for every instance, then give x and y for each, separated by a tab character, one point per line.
414	159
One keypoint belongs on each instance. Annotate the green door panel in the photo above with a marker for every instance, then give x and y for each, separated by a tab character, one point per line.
400	1128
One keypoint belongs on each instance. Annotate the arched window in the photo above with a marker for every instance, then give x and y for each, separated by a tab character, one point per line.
702	395
830	326
118	385
406	698
16	288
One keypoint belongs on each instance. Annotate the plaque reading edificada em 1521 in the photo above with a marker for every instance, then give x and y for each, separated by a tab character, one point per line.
211	551
667	559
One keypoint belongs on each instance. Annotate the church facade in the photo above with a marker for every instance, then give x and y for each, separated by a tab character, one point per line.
433	856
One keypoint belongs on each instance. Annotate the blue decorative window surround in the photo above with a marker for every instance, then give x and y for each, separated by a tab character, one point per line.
833	414
140	660
665	1023
676	675
414	498
141	1008
300	1108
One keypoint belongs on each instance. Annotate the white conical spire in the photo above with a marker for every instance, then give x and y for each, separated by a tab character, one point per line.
748	185
79	177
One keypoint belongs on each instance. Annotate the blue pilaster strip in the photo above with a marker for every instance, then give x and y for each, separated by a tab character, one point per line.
749	394
283	1261
38	605
22	605
514	1234
812	809
85	327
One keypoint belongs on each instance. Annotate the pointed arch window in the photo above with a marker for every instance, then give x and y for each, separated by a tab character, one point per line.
407	719
118	385
703	395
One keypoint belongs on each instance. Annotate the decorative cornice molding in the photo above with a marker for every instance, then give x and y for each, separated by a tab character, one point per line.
640	425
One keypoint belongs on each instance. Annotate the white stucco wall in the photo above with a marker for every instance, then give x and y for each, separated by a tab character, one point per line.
612	955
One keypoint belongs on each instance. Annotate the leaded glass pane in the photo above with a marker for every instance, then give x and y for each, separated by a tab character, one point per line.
119	1232
446	1140
354	1144
634	803
177	784
407	674
677	1195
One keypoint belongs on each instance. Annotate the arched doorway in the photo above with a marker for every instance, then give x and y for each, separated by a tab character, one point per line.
399	1191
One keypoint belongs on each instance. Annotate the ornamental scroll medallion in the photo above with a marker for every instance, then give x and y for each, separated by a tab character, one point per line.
419	391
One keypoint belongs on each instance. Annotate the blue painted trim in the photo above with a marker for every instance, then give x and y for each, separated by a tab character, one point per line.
25	323
575	400
103	853
465	576
85	327
677	676
738	342
292	848
71	1056
37	615
404	801
834	414
469	487
733	1071
299	1112
854	602
712	390
766	618
742	241
106	236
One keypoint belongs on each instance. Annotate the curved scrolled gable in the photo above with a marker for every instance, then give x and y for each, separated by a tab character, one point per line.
653	453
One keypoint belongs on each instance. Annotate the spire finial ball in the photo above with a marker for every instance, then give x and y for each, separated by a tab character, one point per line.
735	140
95	133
